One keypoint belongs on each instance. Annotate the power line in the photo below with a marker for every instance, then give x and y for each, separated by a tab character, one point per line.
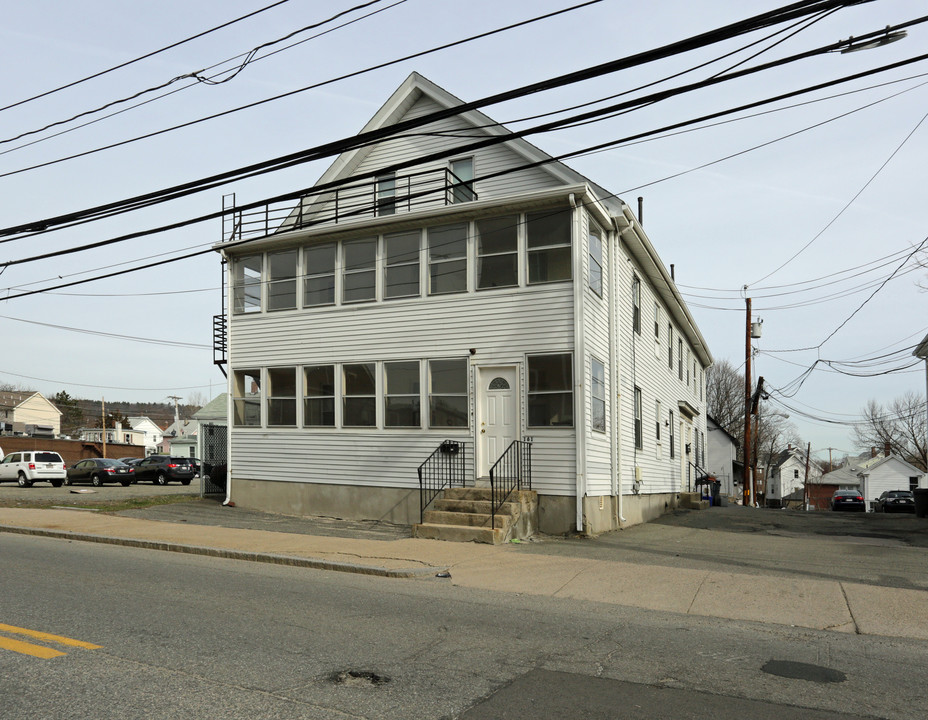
321	151
489	141
198	75
143	57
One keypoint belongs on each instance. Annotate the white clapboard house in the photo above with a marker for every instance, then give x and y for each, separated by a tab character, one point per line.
429	299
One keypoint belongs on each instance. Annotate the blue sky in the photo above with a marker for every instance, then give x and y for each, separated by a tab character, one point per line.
851	188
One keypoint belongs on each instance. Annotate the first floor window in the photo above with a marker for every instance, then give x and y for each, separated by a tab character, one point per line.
359	395
550	391
671	436
639	440
246	398
657	420
548	240
319	396
598	395
448	393
401	397
281	396
246	284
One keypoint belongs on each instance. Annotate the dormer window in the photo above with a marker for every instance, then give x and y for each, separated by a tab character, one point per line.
462	180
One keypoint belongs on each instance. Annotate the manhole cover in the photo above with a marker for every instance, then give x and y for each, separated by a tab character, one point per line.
803	671
358	678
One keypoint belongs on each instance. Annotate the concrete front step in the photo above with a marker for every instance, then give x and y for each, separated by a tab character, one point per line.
440	517
473	506
693	501
458	533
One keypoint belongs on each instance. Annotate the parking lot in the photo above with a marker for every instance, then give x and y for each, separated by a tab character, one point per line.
42	494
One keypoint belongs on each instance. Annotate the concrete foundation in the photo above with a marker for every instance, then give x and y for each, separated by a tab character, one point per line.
557	514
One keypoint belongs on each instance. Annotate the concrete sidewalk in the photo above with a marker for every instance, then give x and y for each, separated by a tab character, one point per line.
795	600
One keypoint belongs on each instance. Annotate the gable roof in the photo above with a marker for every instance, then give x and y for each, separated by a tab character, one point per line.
215	409
15	398
874	463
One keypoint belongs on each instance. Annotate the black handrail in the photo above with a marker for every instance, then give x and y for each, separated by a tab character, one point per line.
701	474
445	467
513	471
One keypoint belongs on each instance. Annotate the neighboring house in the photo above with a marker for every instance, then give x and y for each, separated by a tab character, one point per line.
178	436
215	412
822	488
787	477
721	452
152	433
485	296
888	472
29	413
118	435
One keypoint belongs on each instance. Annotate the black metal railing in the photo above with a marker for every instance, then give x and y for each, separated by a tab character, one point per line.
513	471
445	467
695	476
364	199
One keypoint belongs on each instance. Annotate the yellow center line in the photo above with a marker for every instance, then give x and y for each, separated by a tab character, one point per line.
28	648
47	636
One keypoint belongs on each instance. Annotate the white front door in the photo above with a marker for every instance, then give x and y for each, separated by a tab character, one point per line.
499	415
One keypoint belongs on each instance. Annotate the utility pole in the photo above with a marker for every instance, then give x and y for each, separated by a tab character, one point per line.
748	476
175	398
103	418
805	482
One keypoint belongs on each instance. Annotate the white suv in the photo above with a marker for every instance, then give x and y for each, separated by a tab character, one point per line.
29	467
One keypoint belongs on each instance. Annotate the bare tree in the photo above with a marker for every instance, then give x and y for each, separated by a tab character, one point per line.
901	424
725	397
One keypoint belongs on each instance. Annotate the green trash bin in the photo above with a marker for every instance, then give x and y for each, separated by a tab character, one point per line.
921	502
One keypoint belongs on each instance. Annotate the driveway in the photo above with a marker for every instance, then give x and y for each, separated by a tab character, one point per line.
886	550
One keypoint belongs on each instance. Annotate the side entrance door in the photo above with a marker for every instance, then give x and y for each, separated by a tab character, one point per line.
498	413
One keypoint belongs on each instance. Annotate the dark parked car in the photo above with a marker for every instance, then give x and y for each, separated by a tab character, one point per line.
98	471
848	500
896	501
161	469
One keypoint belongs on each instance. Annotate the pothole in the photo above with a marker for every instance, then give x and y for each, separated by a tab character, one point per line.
358	678
803	671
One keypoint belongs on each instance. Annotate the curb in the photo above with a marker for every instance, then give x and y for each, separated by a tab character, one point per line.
291	560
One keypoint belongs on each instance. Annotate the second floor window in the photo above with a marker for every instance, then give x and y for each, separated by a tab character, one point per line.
636	304
548	240
246	284
281	280
596	261
498	252
319	275
401	264
447	259
359	278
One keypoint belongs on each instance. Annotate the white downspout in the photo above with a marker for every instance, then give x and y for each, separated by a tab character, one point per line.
230	418
579	366
615	395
